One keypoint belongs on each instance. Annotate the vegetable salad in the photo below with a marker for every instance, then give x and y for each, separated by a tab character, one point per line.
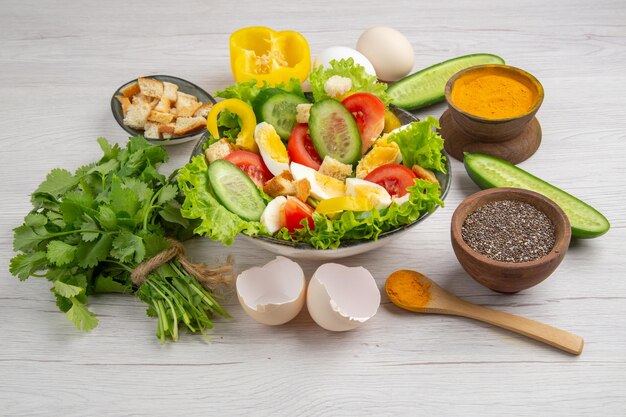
322	169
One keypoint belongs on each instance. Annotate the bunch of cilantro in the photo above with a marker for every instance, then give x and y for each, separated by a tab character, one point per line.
87	232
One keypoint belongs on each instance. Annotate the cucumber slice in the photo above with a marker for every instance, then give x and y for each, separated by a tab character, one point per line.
278	108
235	190
334	132
489	172
427	86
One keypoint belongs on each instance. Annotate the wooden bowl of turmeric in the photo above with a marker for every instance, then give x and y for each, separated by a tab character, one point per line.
492	110
493	102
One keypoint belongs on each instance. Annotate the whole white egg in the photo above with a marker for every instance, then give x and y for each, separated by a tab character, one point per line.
389	51
343	52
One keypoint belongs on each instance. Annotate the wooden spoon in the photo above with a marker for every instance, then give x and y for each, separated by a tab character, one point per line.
402	286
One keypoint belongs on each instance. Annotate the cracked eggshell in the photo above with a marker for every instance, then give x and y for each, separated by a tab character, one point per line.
274	293
341	298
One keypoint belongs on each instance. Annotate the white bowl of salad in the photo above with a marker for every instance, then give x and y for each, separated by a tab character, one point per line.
321	175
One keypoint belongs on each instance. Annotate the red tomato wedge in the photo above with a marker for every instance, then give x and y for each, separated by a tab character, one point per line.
394	177
251	164
300	147
295	211
369	113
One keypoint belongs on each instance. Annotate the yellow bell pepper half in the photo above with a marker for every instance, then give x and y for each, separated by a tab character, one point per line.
266	55
338	204
245	139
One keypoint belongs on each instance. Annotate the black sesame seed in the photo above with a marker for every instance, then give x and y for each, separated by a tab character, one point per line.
509	231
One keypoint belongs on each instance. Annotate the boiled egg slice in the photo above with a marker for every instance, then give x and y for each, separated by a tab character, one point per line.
272	148
401	200
341	298
382	153
374	193
273	217
322	186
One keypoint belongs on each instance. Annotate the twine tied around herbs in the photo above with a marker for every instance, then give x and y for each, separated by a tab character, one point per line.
211	278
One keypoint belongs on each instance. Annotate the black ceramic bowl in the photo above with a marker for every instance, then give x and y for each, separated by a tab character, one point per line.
184	86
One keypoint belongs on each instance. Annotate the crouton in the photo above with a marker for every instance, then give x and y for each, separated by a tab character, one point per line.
163	105
333	168
203	110
169	91
303	189
424	174
160	117
124	102
167	129
282	184
150	87
303	112
131	90
337	86
137	114
167	135
174	111
186	125
186	104
151	130
219	150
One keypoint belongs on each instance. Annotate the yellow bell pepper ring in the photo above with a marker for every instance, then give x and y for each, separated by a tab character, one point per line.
245	138
338	204
260	53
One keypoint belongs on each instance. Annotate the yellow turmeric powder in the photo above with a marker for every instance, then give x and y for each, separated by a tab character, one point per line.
493	94
405	288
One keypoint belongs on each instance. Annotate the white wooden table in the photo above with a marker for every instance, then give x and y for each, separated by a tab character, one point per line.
61	62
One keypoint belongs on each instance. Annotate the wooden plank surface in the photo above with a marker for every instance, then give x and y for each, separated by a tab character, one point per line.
61	62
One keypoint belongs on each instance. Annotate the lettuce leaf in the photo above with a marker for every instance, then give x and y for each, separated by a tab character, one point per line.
361	80
420	144
216	222
330	233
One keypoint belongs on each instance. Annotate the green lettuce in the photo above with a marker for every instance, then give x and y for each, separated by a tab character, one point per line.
361	80
216	222
424	197
420	144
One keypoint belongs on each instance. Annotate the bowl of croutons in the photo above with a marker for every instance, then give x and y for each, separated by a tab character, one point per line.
164	109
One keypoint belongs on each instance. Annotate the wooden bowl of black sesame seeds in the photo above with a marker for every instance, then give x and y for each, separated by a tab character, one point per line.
509	239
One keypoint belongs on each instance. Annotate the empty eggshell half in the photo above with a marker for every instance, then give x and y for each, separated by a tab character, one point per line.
274	293
341	298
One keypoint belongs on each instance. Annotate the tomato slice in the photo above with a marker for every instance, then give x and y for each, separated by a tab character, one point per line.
394	177
369	113
251	164
295	211
300	147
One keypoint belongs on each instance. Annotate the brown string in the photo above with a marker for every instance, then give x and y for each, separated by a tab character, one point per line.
210	278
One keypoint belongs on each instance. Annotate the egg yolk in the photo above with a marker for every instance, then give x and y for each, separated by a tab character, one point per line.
271	143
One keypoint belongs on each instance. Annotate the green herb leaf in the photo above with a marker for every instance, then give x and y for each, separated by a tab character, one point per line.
109	285
35	220
123	201
89	224
25	238
24	265
168	192
66	290
107	218
58	182
128	247
89	254
60	253
171	213
82	318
